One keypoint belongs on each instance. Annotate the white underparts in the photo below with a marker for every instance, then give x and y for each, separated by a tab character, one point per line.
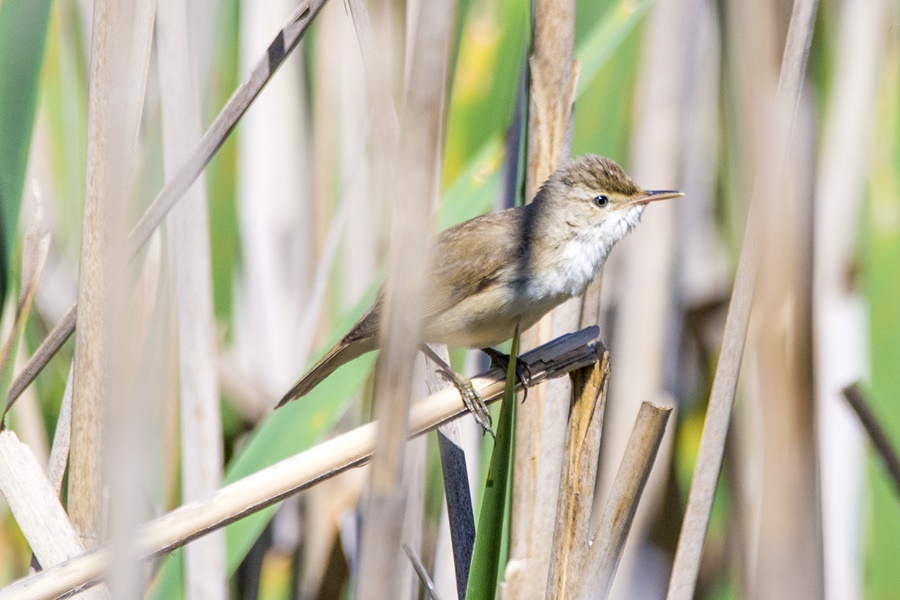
585	253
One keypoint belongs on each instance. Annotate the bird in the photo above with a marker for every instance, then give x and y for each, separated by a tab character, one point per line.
498	271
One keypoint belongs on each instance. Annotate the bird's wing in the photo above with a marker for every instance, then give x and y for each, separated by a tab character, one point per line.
466	258
471	257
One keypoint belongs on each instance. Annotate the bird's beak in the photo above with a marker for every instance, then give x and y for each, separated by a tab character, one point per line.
653	196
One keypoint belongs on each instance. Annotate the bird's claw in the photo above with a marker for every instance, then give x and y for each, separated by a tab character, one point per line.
501	361
472	400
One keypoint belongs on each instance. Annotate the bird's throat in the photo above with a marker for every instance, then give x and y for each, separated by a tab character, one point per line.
565	269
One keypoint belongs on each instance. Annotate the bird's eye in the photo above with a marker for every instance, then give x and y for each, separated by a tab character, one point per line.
601	200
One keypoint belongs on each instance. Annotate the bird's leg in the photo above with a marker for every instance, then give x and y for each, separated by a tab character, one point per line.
474	403
501	360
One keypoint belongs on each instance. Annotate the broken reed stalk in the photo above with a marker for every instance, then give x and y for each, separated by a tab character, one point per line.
608	542
539	436
283	479
576	487
878	436
22	481
284	43
34	503
715	429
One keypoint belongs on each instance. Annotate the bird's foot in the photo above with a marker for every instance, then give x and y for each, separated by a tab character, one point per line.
501	361
471	398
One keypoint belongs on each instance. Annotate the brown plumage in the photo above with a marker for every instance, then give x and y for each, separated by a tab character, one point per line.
493	272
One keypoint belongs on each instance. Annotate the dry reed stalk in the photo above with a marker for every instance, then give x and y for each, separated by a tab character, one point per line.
839	319
28	419
281	47
312	317
275	204
411	535
784	539
275	208
422	573
751	59
450	566
304	470
374	47
343	215
790	520
599	569
454	468
35	249
413	183
29	423
709	462
34	502
643	327
204	18
103	372
361	251
540	425
59	451
342	198
325	126
413	486
191	272
325	507
704	272
576	490
784	528
338	170
457	514
645	332
379	52
553	82
458	494
85	473
120	55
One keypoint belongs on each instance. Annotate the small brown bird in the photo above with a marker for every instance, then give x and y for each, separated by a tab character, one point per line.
510	268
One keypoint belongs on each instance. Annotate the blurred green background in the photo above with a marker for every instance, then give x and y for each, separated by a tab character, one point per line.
44	56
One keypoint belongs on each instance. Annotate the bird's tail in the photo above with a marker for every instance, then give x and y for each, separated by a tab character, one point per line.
343	352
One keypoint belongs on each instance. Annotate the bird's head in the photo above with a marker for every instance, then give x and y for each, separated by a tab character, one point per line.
593	196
